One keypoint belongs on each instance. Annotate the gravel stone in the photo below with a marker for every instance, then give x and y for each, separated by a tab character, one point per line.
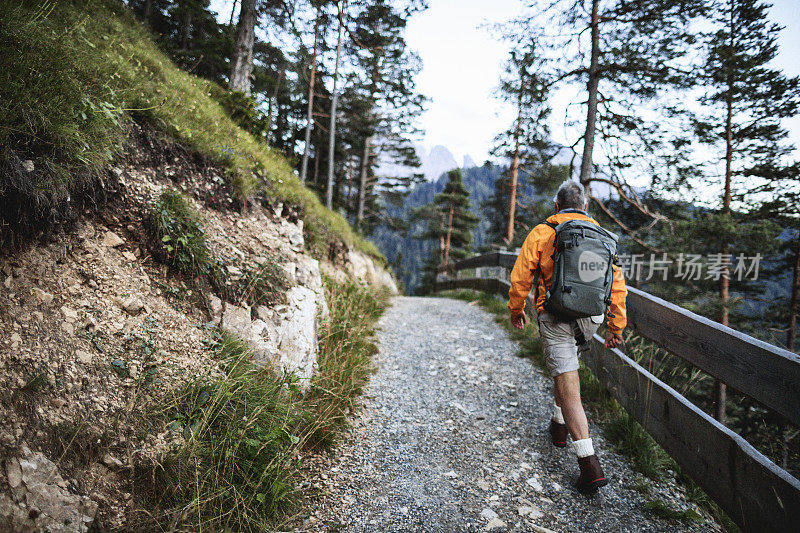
484	415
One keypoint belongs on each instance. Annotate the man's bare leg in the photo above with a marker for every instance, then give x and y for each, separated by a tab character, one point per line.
567	391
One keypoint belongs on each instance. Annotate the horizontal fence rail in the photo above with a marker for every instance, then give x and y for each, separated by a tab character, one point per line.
756	493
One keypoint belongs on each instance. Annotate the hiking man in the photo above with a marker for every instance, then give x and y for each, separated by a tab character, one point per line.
570	307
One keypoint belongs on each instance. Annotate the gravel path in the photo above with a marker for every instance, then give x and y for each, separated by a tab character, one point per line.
453	437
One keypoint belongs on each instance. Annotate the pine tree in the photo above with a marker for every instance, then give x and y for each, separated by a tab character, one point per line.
536	188
526	143
242	58
311	92
746	101
448	222
637	51
394	105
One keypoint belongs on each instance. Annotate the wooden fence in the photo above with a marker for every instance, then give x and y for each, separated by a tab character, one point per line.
756	493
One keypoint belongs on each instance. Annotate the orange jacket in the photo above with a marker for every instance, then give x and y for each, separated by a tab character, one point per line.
537	251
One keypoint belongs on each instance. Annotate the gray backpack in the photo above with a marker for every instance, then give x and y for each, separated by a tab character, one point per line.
582	270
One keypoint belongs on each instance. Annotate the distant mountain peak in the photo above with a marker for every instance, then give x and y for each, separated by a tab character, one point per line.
436	162
468	162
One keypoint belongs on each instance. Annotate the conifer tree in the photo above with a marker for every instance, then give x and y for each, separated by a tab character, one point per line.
394	105
526	143
636	52
745	101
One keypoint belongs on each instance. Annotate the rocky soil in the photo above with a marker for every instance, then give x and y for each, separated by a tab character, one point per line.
93	329
453	437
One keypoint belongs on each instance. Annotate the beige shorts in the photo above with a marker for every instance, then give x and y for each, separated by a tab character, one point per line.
560	347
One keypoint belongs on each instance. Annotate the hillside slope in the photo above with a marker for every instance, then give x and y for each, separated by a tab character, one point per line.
172	297
67	108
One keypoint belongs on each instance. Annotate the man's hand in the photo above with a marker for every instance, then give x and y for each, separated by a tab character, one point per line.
613	340
519	321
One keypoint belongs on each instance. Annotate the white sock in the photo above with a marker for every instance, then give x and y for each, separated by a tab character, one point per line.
583	448
558	417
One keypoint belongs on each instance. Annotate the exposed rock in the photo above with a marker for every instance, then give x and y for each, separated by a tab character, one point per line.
236	320
495	524
535	484
488	514
308	275
112	462
264	313
363	268
70	314
28	165
215	305
84	357
530	512
129	256
298	334
132	305
286	336
112	240
294	232
40	499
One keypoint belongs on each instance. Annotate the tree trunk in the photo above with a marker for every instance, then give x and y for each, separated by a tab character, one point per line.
449	232
186	30
334	103
242	60
512	202
316	169
720	390
233	12
791	334
310	110
351	199
591	108
148	10
362	185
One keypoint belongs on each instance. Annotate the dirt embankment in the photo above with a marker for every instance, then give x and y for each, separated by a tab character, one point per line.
94	328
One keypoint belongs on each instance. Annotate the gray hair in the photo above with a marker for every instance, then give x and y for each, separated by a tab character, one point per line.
570	195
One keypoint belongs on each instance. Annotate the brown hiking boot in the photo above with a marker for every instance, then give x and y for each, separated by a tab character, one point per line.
558	432
592	476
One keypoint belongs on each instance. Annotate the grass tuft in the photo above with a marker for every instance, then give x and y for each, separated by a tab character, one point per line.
177	236
345	351
265	284
662	510
234	469
245	429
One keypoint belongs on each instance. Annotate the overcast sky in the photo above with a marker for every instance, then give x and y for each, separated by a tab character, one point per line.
462	64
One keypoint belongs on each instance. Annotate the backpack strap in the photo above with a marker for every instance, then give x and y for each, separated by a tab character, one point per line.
538	272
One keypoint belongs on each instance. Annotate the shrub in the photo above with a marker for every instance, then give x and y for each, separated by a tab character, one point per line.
177	236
